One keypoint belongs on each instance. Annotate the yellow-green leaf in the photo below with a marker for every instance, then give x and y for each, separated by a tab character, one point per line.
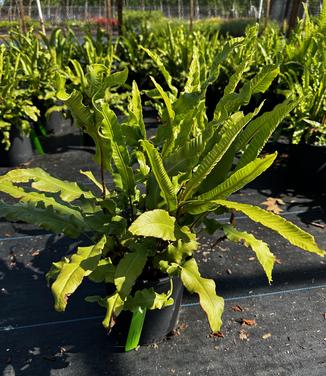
211	303
114	305
156	223
264	255
129	269
294	234
71	275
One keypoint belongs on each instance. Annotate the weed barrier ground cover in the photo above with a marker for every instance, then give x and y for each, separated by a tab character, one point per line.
267	330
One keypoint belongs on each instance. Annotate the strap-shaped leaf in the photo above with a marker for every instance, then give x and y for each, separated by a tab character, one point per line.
79	73
71	275
156	223
44	217
259	131
143	167
166	99
161	176
191	122
35	197
136	111
111	130
74	101
86	120
263	254
240	178
262	81
114	306
42	181
220	58
183	126
55	270
161	67
185	158
91	177
129	269
220	172
231	129
232	101
193	80
236	77
94	79
104	272
288	230
211	303
116	79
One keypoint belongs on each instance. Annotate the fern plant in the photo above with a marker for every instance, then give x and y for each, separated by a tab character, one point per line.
16	108
161	191
304	75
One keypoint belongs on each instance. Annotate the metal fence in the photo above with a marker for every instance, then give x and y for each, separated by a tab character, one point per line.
57	14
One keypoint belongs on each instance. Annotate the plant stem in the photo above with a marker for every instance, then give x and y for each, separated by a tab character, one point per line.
131	209
102	174
200	217
232	218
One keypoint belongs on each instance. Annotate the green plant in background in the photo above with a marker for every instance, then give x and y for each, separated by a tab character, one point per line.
16	109
39	59
305	76
134	20
161	189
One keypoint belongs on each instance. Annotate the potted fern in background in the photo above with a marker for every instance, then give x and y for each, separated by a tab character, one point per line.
17	112
142	226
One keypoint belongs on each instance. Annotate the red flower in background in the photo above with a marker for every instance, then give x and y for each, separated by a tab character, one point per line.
105	21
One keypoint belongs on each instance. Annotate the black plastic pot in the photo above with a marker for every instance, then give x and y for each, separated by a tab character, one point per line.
20	150
307	168
158	323
56	123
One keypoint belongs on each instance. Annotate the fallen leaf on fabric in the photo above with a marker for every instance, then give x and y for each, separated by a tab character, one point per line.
182	326
36	253
272	205
247	322
237	308
217	334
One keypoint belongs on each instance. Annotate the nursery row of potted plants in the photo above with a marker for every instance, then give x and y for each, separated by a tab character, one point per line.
29	65
142	229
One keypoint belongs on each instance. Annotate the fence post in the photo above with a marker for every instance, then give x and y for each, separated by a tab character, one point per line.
260	9
120	15
22	15
191	14
40	14
267	10
108	6
293	15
